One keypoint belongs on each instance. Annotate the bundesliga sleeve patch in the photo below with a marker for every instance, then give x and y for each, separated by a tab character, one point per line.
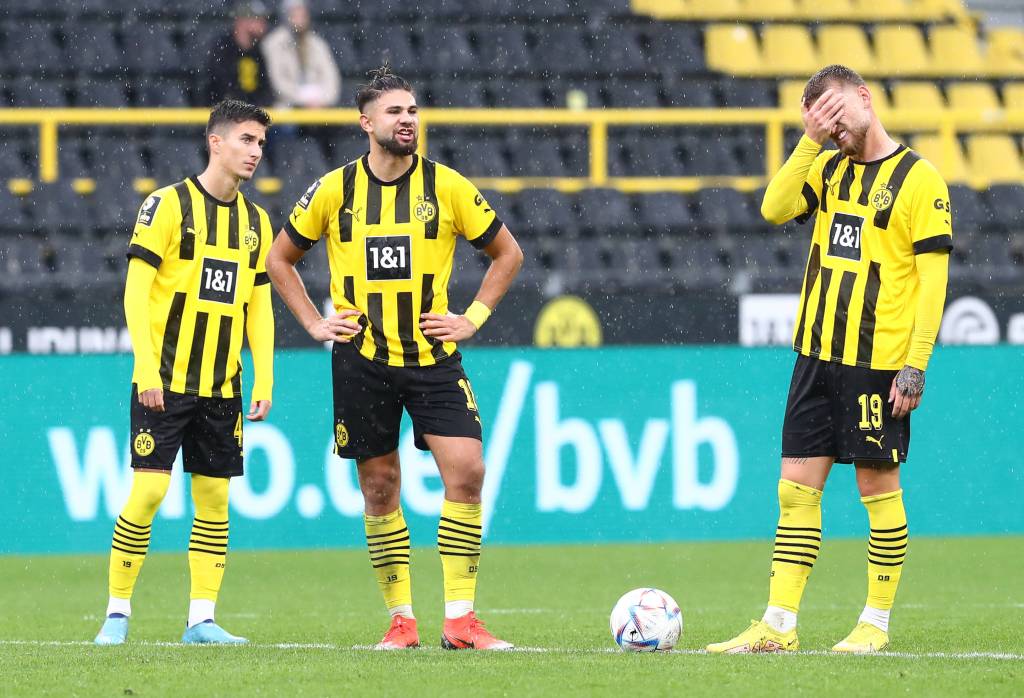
148	211
308	196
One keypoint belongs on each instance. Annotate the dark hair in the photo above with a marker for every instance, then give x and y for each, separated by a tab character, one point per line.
378	81
235	111
830	74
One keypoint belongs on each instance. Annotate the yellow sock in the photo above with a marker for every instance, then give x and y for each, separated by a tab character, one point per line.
208	545
887	547
387	538
131	531
797	542
458	541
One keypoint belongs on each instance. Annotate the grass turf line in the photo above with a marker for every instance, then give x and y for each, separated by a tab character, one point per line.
959	596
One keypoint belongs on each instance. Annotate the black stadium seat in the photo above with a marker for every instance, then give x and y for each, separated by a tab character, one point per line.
617	49
548	213
149	49
502	50
969	209
445	50
662	213
93	92
91	48
33	92
1006	201
605	212
559	50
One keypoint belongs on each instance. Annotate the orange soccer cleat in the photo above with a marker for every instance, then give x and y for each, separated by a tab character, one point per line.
401	635
468	633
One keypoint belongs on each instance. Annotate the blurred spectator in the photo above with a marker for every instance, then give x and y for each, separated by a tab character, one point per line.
237	67
301	68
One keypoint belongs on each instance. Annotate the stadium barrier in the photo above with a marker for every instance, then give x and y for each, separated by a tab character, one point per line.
947	123
589	445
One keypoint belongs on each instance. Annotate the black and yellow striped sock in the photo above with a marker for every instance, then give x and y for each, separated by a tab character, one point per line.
208	544
887	547
797	542
458	540
131	533
387	539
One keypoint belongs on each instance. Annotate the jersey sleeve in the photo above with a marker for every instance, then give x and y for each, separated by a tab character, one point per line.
159	217
311	216
266	239
473	217
812	186
931	225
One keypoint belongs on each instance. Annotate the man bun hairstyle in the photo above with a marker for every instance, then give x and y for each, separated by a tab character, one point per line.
235	111
378	81
830	74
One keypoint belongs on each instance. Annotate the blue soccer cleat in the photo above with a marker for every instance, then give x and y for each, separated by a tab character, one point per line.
114	631
209	633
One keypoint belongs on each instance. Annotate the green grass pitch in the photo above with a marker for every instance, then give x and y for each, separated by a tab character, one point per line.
956	630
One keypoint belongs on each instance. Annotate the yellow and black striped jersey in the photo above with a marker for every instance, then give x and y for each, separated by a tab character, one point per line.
860	290
209	256
390	246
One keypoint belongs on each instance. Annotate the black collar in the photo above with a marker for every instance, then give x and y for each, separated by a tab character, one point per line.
202	190
899	149
401	178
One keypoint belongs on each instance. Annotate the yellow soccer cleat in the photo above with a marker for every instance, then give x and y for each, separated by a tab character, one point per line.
865	639
759	638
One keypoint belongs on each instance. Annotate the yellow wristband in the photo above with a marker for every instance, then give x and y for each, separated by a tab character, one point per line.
477	313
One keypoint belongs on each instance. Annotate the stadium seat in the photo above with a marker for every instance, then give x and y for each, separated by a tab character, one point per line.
149	49
646	155
445	50
970	212
519	93
787	49
900	49
709	156
972	95
736	92
36	48
617	49
174	159
1006	201
13	219
481	156
534	160
631	93
768	10
993	159
950	164
826	10
90	92
502	50
379	42
605	212
1005	52
559	50
872	10
733	49
1013	95
457	93
846	44
690	93
116	161
12	161
662	213
954	51
161	93
91	48
917	95
56	208
713	9
32	92
549	213
676	47
721	208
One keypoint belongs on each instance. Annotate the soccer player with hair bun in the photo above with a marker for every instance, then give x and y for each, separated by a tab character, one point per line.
390	221
869	313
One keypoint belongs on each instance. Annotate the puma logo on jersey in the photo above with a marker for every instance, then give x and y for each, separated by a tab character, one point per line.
355	214
877	442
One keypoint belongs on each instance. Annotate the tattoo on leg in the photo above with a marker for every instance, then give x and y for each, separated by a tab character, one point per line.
910	381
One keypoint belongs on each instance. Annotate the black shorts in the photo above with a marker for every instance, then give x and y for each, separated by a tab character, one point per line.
844	412
369	397
207	429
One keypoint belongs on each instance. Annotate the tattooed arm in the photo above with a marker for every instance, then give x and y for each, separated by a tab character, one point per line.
906	391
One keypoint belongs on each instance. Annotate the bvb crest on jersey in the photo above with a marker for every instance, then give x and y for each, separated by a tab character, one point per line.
882	198
425	211
340	435
252	240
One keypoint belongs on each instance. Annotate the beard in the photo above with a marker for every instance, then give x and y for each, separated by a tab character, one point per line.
855	141
392	145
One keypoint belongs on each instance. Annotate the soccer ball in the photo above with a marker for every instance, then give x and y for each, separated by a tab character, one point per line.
646	620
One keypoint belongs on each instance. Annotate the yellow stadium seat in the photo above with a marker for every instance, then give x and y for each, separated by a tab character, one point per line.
917	95
954	51
662	9
791	92
732	48
846	44
787	49
886	10
714	9
879	98
951	165
900	50
762	10
1005	54
1013	95
972	95
938	10
826	9
994	159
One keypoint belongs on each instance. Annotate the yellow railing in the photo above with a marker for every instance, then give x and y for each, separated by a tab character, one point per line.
597	121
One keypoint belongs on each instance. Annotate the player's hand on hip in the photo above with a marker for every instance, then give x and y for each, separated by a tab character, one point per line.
258	410
336	328
822	116
906	391
447	328
152	399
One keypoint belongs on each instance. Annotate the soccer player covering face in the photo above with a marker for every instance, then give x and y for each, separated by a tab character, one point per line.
390	221
196	284
869	312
